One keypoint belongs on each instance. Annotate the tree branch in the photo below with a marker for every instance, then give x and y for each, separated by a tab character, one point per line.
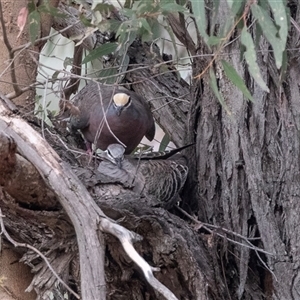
85	215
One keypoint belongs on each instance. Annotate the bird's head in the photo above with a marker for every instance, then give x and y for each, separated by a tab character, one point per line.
120	101
115	153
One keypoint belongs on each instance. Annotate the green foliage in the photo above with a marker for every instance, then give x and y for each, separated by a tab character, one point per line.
236	6
164	143
100	51
34	25
270	31
143	19
34	17
108	75
46	8
199	14
236	79
250	57
271	20
214	86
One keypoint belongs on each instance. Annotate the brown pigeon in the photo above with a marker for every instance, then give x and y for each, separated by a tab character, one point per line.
109	114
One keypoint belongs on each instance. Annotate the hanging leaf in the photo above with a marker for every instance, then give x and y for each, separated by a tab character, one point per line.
199	15
104	8
55	75
145	8
100	51
214	40
108	75
214	86
145	25
258	35
281	19
283	67
51	10
235	78
250	57
85	21
124	63
34	25
236	5
164	143
171	8
270	32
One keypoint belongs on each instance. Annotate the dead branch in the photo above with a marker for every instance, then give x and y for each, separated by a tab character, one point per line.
126	238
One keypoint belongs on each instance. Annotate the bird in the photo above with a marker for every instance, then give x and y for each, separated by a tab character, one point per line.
111	114
159	180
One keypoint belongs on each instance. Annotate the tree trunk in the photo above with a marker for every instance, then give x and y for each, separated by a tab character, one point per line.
248	171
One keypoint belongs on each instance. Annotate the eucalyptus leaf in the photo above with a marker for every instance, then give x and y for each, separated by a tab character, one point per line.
236	79
283	67
199	15
164	143
85	21
104	8
236	5
145	25
51	10
214	19
214	86
104	49
250	57
280	16
34	25
55	75
214	40
108	75
172	7
270	32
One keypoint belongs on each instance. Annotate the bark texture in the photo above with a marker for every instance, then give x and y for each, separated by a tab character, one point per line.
248	171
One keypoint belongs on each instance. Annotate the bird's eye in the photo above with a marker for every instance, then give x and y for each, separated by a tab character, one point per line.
128	102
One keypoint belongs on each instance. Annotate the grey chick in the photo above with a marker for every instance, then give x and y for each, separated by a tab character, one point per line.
159	180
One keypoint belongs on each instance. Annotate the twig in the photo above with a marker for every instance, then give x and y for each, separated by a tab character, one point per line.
295	24
17	244
8	103
104	120
250	245
208	227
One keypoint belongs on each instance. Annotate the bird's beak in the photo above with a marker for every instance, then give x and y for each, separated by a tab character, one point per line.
119	163
119	109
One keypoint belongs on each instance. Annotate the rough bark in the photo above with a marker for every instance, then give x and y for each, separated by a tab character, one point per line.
247	171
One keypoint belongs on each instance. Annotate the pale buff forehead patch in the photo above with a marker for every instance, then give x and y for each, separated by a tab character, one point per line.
121	99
